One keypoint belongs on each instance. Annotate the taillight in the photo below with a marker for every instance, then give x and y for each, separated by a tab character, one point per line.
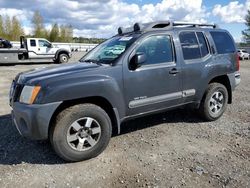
237	62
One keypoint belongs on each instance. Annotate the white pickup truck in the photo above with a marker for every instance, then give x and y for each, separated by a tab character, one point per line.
35	50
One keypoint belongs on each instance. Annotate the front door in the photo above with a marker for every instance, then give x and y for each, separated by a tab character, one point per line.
157	83
45	49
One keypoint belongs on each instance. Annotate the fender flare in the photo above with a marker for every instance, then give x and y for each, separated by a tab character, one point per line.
60	51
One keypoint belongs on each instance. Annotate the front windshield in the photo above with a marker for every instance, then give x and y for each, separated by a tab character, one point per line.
109	51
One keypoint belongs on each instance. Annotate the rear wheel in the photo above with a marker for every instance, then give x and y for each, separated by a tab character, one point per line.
63	58
81	132
214	102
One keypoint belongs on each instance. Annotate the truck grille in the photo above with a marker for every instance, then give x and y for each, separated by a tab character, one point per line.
15	92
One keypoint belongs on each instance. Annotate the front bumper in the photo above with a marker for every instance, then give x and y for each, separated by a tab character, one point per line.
32	121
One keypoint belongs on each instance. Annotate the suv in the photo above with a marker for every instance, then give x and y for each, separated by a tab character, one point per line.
243	54
159	66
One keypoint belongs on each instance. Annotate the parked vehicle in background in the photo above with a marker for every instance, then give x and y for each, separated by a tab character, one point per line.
35	50
5	43
145	69
243	54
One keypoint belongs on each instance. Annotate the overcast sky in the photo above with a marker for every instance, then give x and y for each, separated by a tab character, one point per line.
101	18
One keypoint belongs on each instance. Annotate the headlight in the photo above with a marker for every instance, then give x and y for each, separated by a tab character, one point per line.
29	94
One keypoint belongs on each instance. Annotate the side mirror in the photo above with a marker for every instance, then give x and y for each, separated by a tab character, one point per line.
137	60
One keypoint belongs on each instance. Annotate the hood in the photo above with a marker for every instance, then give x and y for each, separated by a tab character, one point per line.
34	76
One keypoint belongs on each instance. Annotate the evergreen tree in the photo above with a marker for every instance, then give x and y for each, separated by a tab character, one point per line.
62	33
54	33
246	32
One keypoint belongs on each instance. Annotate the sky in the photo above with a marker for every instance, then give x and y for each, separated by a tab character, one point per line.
101	18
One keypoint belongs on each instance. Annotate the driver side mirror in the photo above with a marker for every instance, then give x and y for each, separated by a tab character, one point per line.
137	60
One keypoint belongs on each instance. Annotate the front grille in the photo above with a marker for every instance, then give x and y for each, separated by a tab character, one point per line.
17	92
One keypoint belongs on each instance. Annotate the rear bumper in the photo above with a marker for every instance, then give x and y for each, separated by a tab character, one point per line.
32	121
234	79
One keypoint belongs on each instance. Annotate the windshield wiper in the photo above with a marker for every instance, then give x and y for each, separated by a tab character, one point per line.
91	61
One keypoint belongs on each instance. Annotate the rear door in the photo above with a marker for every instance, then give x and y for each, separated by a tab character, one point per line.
32	45
194	58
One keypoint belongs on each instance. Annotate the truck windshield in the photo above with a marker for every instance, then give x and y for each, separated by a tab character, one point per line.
109	51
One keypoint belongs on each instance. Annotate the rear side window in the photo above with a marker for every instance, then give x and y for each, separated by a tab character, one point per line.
32	42
223	42
190	46
203	44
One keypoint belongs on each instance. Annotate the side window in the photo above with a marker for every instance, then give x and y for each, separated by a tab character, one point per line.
32	42
223	42
203	44
43	43
158	49
190	46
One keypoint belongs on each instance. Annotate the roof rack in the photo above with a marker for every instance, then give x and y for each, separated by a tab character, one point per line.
160	25
194	24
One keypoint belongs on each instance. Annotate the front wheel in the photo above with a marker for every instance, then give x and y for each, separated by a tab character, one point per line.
214	102
81	132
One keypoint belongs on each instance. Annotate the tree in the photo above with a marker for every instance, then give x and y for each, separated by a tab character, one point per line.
16	29
66	33
246	32
1	27
39	29
7	25
69	33
54	33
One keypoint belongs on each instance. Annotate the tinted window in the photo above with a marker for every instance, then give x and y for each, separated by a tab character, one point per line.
32	42
158	49
203	44
223	42
189	45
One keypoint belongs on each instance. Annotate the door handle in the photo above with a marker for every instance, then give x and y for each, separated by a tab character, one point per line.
173	71
38	49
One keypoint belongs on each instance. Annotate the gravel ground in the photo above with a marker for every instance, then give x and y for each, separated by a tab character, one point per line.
172	149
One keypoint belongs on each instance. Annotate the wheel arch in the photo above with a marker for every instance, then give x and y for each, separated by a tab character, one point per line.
224	80
62	51
97	100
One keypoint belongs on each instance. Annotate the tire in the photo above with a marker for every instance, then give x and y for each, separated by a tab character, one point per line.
214	102
63	58
81	132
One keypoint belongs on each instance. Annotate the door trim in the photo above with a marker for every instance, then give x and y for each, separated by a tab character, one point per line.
161	98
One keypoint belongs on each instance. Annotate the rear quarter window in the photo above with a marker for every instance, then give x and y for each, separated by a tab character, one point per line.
223	42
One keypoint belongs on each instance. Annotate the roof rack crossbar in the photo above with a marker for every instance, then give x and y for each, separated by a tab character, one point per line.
193	24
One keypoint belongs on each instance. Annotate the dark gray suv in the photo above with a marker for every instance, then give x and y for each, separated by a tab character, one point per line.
142	70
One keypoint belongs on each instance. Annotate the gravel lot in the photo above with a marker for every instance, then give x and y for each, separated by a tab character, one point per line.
172	149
